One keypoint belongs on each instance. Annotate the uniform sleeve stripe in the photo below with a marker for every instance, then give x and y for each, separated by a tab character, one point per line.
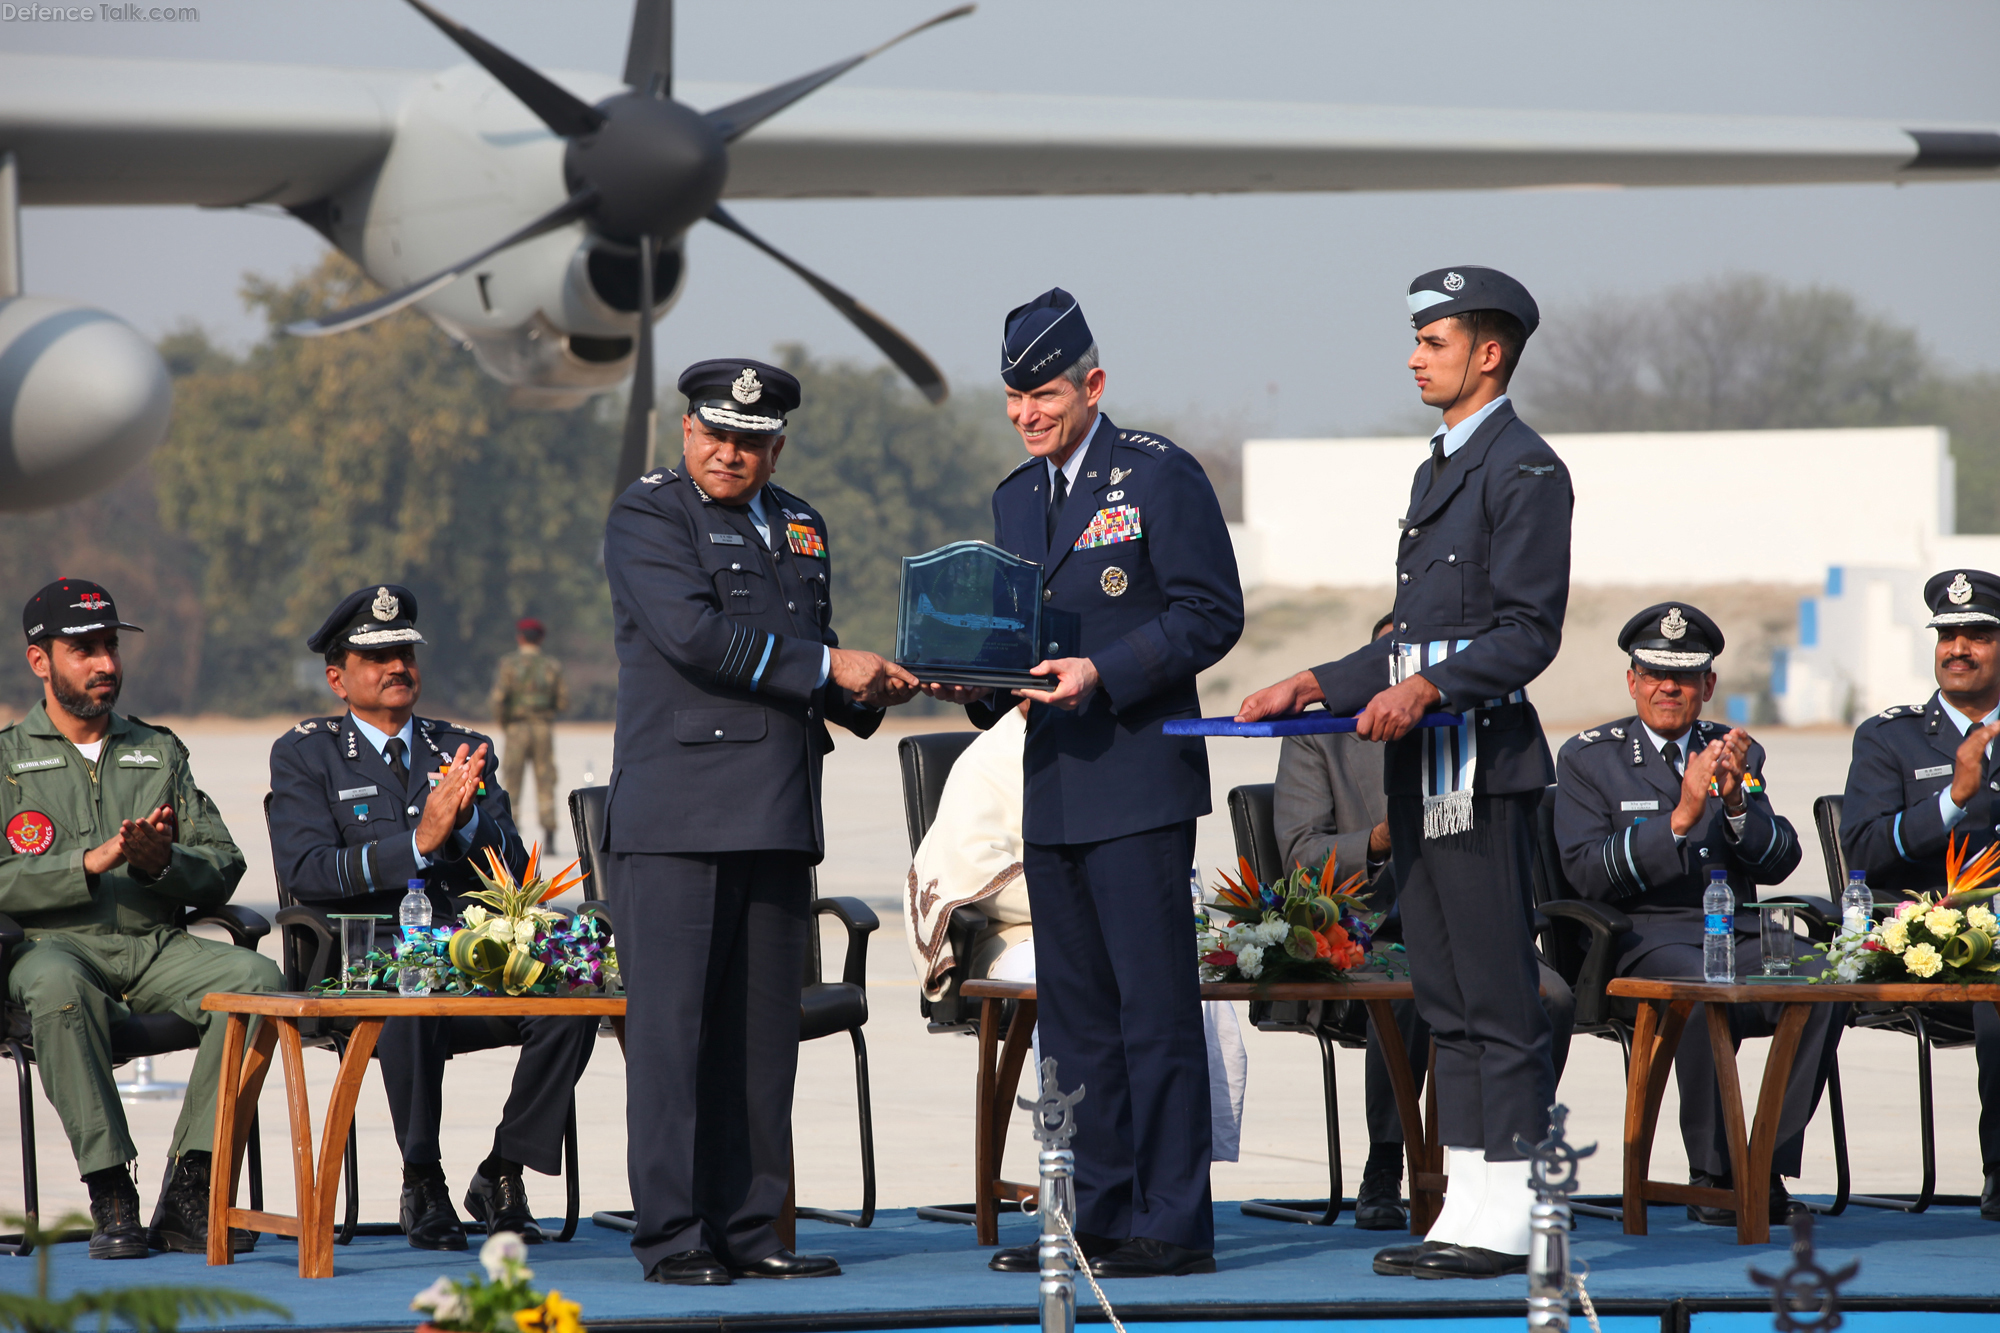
1897	829
770	642
1638	880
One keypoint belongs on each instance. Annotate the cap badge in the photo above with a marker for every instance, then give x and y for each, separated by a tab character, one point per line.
1454	281
1674	625
385	606
1960	591
91	602
747	388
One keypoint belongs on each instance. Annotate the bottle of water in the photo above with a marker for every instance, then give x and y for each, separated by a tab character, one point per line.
1857	905
414	916
1718	932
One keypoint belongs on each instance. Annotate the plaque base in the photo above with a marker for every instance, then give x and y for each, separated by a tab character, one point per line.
993	678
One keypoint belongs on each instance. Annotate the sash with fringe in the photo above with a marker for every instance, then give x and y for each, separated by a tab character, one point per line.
1451	754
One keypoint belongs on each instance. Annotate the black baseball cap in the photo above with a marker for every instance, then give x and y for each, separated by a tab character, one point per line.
69	607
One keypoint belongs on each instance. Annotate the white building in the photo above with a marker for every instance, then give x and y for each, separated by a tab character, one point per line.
1868	514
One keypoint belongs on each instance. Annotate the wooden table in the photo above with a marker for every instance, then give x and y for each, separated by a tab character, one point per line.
1000	1064
1657	1035
317	1175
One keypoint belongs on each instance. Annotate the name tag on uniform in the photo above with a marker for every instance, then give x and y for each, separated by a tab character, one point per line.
30	765
138	758
1942	770
1638	805
349	793
725	539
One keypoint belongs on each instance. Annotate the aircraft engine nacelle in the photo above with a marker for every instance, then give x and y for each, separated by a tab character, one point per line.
83	398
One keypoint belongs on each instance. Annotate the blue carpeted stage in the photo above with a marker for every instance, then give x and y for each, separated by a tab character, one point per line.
906	1273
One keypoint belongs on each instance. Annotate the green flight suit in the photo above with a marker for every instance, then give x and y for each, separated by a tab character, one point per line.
528	692
101	947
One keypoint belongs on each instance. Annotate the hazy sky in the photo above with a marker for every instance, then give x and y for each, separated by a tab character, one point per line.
1284	312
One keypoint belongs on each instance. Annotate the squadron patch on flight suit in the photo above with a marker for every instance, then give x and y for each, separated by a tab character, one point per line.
1113	581
31	833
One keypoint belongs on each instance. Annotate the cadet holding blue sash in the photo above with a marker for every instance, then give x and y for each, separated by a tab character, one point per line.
1137	556
1482	582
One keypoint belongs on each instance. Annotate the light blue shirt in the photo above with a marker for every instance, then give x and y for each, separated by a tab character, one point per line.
763	526
1075	463
1948	809
461	839
1456	436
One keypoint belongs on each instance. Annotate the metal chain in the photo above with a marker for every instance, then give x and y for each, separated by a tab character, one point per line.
1576	1281
1083	1266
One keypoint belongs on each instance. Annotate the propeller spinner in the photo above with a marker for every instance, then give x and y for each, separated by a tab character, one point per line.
642	169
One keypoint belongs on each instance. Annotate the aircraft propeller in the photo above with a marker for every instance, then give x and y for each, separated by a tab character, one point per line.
641	169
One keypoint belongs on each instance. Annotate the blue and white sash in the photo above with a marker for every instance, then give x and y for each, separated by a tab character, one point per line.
1451	754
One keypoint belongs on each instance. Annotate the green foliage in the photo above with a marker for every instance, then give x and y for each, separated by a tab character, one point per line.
1749	353
145	1309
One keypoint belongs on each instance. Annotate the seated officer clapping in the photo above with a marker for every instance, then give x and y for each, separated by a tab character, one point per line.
363	804
1646	806
108	839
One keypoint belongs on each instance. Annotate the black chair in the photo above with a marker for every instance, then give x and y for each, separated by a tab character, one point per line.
1941	1026
825	1007
309	951
134	1037
1331	1023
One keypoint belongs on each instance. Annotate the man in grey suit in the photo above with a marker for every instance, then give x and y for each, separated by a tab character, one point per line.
1330	801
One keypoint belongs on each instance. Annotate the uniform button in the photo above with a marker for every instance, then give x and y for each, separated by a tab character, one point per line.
1048	594
1404	625
718	735
1406	578
1413	532
1451	560
1485	721
809	714
734	565
1054	646
790	606
411	811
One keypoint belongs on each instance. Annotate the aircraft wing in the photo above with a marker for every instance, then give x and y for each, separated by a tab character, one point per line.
104	131
858	142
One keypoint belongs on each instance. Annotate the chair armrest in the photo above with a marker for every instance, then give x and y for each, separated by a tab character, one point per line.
860	919
325	940
244	927
600	909
1605	924
1821	919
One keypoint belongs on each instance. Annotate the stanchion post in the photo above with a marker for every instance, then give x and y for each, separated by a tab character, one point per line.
1552	1172
1055	1122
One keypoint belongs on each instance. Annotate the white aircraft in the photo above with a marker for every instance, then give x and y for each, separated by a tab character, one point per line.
578	191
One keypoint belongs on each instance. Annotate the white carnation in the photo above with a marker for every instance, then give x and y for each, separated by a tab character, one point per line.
1250	961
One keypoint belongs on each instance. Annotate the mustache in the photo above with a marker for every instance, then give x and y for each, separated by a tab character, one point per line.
397	678
1960	659
102	678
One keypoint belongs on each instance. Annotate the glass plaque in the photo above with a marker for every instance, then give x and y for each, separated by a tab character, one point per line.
971	614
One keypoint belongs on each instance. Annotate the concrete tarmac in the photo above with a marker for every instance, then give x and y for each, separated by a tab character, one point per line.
923	1083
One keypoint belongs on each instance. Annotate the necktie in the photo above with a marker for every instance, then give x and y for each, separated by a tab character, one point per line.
1058	492
393	752
1672	754
1437	456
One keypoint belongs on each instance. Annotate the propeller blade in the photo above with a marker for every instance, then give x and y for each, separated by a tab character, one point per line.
558	108
340	321
735	120
900	350
641	420
649	56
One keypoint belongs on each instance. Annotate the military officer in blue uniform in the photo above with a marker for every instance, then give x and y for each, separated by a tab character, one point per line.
1482	582
363	804
1923	774
1135	552
1646	807
728	673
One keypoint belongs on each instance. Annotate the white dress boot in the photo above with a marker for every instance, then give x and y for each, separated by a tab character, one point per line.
1504	1222
1466	1168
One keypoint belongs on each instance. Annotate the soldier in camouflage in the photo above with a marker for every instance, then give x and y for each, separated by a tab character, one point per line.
528	692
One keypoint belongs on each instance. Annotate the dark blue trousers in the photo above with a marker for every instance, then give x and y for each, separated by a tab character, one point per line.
1120	1013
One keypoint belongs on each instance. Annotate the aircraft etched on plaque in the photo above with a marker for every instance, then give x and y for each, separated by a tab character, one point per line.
971	614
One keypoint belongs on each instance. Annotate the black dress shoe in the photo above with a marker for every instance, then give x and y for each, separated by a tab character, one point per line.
689	1268
1028	1258
180	1218
1378	1204
502	1204
115	1230
1468	1261
1143	1256
1781	1201
427	1217
1400	1260
784	1264
1989	1198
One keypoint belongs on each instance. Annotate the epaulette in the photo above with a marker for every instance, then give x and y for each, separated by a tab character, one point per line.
1029	461
1594	735
660	476
164	731
1902	710
1140	438
312	724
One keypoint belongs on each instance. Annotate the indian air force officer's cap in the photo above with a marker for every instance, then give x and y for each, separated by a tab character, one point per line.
1963	597
1460	291
1671	637
743	396
69	607
383	616
1042	339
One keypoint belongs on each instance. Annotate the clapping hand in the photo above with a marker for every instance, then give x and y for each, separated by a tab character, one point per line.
451	801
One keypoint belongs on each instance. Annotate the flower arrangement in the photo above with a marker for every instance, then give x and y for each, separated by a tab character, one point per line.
502	1301
1939	937
1301	928
507	942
